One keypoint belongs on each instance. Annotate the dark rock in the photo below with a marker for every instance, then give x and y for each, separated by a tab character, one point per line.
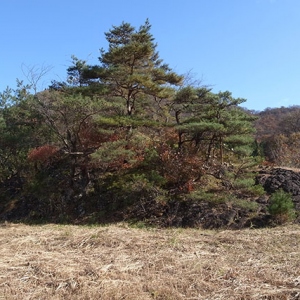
263	199
280	178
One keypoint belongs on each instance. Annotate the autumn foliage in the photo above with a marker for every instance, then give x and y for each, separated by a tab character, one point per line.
42	154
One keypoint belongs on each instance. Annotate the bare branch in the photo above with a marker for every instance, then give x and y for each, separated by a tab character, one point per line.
34	74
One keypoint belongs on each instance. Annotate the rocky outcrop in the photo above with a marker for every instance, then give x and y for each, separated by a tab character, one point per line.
178	212
200	214
204	214
281	178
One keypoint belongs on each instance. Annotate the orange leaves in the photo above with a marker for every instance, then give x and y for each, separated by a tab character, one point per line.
42	154
180	169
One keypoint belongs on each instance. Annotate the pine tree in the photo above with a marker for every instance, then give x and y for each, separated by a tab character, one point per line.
213	122
131	67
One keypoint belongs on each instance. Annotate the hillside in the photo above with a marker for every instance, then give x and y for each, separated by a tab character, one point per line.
129	139
119	262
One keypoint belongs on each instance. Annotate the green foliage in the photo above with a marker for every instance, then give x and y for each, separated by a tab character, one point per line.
131	67
240	178
223	197
281	207
75	72
21	129
243	183
245	204
213	122
110	152
256	190
69	117
123	133
120	192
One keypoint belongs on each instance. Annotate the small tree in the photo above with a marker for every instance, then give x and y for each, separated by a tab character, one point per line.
20	130
282	207
75	71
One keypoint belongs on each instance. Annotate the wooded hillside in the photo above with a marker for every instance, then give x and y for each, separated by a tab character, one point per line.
130	139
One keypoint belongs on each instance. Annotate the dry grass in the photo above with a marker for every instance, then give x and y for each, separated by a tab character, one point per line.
119	262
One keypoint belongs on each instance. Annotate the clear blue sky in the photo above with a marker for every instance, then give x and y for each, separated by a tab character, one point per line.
249	47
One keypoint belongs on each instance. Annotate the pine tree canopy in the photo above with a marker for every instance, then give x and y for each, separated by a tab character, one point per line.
131	66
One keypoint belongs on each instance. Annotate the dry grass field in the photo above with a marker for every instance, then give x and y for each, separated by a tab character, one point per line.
121	262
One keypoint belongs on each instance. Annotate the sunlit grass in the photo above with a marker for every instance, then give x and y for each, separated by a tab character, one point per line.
125	262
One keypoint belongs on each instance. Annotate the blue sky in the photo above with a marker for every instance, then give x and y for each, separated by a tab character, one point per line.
249	47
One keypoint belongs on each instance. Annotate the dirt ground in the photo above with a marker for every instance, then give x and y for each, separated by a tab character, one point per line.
121	262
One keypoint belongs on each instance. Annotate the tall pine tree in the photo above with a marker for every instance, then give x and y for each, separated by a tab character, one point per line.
131	66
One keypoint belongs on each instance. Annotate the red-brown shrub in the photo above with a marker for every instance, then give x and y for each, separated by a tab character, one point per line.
42	154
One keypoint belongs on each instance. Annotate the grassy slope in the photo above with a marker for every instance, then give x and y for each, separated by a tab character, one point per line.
118	262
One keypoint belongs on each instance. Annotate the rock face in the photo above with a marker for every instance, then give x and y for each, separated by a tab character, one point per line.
203	214
198	214
280	178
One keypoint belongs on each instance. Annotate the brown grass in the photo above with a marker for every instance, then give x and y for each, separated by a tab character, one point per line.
119	262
